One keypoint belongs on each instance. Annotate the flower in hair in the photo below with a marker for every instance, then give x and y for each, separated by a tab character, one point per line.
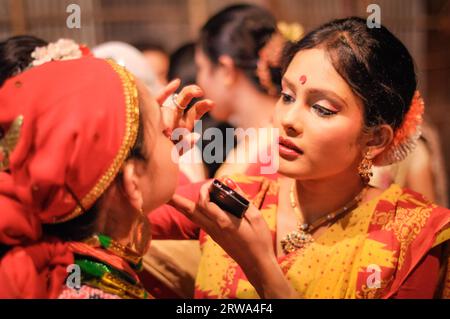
406	136
63	49
270	55
292	32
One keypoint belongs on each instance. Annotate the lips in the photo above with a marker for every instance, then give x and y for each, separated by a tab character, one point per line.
287	148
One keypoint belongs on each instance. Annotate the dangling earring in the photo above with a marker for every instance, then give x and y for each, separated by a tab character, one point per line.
365	168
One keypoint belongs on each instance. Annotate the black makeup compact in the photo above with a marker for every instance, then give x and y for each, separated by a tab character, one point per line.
228	199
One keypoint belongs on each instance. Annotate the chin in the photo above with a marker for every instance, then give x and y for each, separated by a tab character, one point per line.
164	193
291	169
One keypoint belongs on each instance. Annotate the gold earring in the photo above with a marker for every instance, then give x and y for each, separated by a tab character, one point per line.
365	168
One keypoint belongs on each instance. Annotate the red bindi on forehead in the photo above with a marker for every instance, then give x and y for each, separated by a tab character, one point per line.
302	79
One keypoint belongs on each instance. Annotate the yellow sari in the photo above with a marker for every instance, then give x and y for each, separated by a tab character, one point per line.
369	253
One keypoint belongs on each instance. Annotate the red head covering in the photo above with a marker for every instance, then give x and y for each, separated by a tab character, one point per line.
80	119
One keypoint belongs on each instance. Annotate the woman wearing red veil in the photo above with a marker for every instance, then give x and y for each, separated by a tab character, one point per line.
77	168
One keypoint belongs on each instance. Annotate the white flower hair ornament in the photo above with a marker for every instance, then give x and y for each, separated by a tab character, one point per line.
63	49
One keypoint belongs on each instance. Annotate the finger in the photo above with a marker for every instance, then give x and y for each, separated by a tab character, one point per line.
182	204
185	97
188	93
233	185
252	212
168	91
197	111
168	119
204	192
190	210
212	211
253	215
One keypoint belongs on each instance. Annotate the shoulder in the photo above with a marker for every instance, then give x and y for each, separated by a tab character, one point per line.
408	214
397	197
410	199
412	215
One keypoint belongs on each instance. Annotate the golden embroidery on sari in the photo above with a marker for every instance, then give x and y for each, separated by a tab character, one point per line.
407	225
382	218
416	201
372	292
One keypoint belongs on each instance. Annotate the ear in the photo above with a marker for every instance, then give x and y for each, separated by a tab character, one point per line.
228	69
379	138
131	184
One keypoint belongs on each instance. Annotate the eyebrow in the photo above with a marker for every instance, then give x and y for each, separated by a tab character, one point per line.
328	94
316	91
288	83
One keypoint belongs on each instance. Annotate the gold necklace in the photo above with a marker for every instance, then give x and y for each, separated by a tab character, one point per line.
301	237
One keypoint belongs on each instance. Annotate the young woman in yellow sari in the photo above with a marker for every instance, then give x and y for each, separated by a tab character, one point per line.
319	230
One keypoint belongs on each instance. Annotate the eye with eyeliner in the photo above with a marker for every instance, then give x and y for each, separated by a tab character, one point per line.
317	108
322	111
286	98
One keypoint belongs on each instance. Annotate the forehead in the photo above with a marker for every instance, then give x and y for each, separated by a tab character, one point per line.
316	65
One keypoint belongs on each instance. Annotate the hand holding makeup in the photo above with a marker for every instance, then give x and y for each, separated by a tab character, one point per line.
223	194
247	240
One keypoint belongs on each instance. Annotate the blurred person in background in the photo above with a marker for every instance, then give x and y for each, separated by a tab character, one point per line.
182	66
131	58
238	66
158	59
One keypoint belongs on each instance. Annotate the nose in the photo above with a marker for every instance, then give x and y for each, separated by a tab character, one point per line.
292	121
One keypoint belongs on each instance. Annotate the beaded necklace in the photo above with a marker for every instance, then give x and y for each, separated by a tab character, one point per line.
302	236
